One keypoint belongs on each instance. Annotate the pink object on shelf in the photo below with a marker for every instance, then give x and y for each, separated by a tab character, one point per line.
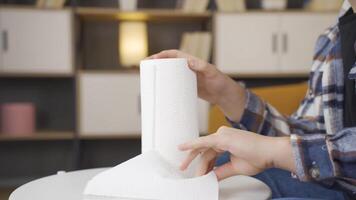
18	118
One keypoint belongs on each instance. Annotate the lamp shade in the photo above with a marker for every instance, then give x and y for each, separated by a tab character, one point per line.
133	45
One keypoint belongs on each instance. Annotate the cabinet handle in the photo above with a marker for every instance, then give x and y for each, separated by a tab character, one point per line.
274	43
285	42
5	42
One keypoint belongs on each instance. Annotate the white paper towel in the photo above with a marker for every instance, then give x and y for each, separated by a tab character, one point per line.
169	118
149	177
169	107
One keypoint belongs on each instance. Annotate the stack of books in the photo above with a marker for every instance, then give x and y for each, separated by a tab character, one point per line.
193	6
50	3
197	44
231	5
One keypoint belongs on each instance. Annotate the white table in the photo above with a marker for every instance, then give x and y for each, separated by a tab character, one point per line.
69	186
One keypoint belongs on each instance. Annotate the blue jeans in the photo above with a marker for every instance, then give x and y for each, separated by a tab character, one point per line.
284	187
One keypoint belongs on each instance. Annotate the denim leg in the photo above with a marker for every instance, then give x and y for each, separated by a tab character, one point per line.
284	186
296	199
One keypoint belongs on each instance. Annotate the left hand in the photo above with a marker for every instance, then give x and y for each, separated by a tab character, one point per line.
250	153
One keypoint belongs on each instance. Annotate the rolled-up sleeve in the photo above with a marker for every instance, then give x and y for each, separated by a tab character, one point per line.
260	117
321	157
318	156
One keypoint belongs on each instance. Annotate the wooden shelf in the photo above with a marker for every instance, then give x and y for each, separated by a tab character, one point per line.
110	136
135	70
270	75
261	11
141	15
40	136
35	75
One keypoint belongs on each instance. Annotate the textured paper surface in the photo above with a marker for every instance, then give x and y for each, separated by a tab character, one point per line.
169	118
169	107
148	176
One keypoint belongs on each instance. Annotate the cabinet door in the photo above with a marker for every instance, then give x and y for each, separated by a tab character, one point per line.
246	43
37	41
109	104
299	33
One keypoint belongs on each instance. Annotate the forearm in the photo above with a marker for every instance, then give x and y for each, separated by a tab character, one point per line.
282	154
232	101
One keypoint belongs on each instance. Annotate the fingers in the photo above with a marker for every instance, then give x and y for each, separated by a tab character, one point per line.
207	162
225	171
202	142
165	54
192	155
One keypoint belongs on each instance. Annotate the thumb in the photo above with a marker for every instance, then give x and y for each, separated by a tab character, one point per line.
225	171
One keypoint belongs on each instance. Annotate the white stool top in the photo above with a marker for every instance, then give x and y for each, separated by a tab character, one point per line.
70	186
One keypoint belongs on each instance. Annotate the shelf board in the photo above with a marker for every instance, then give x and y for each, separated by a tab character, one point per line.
134	70
270	75
40	136
35	75
53	136
110	136
141	15
294	10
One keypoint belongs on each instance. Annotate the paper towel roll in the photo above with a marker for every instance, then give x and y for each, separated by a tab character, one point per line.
169	107
169	117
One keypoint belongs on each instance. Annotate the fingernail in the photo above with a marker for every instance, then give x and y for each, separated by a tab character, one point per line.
181	147
181	168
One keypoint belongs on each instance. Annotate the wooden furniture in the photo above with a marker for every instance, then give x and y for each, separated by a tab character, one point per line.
36	41
70	186
67	73
109	104
273	43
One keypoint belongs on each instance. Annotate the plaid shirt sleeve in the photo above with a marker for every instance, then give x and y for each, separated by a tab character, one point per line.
318	156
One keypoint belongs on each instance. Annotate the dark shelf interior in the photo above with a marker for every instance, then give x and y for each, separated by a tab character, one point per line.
25	161
106	153
54	99
103	37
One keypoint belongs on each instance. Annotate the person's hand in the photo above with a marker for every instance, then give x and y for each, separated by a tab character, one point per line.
250	153
213	86
211	82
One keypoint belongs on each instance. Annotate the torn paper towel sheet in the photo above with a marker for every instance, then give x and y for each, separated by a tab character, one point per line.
169	118
148	176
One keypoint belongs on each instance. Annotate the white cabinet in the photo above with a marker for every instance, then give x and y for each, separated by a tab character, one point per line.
109	104
36	41
246	43
262	43
299	33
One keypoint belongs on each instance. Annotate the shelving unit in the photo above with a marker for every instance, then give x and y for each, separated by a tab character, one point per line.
276	75
36	75
96	37
55	136
40	136
167	15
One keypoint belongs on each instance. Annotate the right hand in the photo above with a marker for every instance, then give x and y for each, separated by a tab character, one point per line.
250	153
212	83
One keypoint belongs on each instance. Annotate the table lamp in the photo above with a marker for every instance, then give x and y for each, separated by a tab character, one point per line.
133	45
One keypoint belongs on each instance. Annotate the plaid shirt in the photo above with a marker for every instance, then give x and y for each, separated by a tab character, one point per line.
324	150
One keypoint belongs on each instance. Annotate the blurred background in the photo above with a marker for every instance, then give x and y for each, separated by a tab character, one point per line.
69	77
